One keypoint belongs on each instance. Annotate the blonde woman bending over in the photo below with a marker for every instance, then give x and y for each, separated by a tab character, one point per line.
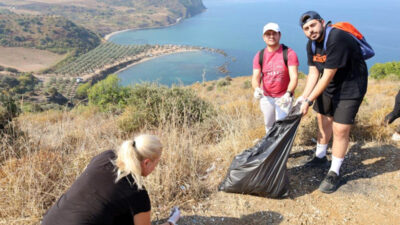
110	190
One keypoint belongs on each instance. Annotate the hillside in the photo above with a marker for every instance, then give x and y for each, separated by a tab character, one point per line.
52	33
46	151
27	59
106	16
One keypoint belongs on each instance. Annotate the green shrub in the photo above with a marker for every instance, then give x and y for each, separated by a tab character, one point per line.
8	82
32	107
223	82
22	84
52	91
108	94
82	90
152	105
12	70
384	70
53	80
301	75
8	110
246	84
228	78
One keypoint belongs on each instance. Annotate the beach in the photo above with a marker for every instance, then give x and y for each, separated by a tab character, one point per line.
108	36
142	57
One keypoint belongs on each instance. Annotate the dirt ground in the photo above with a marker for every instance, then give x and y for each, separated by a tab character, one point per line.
368	194
27	59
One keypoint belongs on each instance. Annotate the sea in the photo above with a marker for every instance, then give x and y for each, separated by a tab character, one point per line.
235	26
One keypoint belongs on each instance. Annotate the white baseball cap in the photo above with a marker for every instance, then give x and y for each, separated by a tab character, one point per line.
271	26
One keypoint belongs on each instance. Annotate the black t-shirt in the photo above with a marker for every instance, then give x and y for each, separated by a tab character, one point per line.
95	198
342	52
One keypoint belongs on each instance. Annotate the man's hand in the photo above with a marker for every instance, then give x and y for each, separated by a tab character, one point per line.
258	93
285	100
304	107
299	100
175	215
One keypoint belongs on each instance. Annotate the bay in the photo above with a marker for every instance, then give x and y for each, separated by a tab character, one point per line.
235	26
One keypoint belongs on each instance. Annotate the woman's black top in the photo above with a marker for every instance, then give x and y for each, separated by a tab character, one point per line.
95	198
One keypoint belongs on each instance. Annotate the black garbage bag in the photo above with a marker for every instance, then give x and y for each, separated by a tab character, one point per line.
261	170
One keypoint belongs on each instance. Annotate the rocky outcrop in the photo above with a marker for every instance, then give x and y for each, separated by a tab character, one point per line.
193	7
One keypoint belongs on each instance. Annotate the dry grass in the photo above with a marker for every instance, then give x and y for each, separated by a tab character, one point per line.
27	59
40	164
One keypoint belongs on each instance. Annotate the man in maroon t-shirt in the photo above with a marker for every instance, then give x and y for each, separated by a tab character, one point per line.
273	81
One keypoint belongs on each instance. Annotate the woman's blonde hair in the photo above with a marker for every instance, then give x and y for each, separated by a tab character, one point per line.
131	153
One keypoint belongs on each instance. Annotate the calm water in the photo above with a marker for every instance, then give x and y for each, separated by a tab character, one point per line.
236	26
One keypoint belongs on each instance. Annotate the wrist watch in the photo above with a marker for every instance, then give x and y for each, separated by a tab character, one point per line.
290	93
309	102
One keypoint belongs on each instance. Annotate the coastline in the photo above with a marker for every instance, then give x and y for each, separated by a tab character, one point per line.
144	59
108	36
129	61
177	21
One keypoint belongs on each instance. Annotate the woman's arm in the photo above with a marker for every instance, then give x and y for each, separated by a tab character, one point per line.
144	219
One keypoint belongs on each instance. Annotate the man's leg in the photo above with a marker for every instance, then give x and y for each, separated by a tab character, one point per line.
268	109
344	117
323	107
324	128
341	133
319	159
324	134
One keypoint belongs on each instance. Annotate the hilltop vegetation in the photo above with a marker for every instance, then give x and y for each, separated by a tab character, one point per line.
106	16
386	70
52	33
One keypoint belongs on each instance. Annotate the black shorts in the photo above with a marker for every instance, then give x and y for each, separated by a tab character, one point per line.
342	111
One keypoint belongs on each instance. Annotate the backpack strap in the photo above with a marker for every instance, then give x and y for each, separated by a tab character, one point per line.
260	61
285	54
327	31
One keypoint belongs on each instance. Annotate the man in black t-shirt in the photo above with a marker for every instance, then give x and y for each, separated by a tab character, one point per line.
337	82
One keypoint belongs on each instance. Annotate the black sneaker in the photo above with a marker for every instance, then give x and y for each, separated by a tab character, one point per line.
330	183
314	161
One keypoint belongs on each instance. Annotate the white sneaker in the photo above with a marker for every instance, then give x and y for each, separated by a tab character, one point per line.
396	137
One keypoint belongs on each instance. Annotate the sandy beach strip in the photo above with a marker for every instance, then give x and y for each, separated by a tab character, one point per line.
141	60
144	59
108	36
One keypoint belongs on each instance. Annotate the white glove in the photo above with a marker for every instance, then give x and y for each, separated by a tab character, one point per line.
175	215
285	102
258	93
299	100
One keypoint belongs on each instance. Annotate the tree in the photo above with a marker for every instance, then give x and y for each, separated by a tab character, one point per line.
108	94
8	110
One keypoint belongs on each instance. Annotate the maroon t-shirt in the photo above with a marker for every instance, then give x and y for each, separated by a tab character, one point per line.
275	73
95	198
